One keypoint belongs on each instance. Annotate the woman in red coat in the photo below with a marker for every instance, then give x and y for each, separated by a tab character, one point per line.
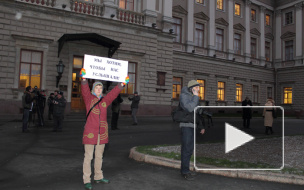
95	134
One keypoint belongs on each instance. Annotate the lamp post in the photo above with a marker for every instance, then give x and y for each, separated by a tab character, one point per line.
60	68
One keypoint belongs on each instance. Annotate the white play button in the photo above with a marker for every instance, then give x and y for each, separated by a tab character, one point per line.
235	138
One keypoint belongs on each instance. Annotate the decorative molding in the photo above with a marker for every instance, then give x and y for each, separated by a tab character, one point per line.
238	78
198	73
269	36
201	15
257	81
179	9
221	21
239	26
288	35
248	2
222	76
179	71
255	32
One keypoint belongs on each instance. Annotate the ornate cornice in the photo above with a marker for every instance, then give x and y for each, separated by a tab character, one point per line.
201	15
179	9
255	32
269	36
221	21
288	35
239	27
299	6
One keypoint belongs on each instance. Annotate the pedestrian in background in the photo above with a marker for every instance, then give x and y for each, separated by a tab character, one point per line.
247	113
115	112
134	106
58	113
95	134
51	106
268	114
189	99
27	104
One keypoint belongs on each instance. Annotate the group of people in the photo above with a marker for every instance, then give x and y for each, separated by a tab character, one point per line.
268	114
33	103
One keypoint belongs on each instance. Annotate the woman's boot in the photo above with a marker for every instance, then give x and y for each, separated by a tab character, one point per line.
266	130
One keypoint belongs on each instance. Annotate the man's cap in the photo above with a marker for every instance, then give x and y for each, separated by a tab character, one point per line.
135	92
60	92
193	83
51	94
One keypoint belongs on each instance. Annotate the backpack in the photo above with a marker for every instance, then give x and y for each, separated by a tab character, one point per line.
180	115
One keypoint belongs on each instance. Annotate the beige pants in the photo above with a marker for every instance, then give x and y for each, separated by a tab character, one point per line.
88	156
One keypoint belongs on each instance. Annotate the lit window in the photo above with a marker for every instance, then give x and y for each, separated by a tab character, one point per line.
237	44
177	28
202	89
126	4
239	92
253	48
30	68
288	95
267	20
219	4
177	86
288	18
220	91
237	9
219	41
200	1
253	15
255	93
199	35
130	88
267	51
289	50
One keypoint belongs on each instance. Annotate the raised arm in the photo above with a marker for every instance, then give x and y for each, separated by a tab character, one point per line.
110	97
85	91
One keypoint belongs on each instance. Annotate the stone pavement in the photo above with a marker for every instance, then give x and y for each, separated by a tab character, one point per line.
50	161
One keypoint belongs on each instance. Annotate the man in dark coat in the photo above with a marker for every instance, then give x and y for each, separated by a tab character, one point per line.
134	106
247	113
27	104
189	100
58	114
51	105
115	112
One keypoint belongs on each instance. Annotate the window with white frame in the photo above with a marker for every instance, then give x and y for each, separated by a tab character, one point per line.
201	89
177	28
239	93
220	91
255	93
253	15
219	41
219	4
126	4
30	73
199	35
287	95
237	9
177	86
288	18
130	88
237	43
288	50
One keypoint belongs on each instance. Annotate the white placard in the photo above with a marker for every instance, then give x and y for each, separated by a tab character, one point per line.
103	68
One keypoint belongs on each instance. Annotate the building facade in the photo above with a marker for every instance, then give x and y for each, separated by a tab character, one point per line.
234	48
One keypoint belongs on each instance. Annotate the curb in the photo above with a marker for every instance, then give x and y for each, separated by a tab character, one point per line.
255	175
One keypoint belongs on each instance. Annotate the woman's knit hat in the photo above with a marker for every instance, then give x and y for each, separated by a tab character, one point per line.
94	85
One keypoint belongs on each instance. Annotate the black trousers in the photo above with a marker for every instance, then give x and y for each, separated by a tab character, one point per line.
58	120
114	121
246	122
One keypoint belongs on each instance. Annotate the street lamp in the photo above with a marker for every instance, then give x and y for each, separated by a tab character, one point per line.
60	68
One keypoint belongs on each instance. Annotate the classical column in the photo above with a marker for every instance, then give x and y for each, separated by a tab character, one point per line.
110	9
167	15
299	34
247	31
190	26
262	37
211	28
230	29
278	33
149	11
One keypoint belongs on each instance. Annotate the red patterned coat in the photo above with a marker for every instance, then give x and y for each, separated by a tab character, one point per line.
97	120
